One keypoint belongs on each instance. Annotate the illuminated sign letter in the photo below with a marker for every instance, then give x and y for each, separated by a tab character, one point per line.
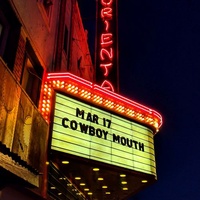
106	39
105	66
106	25
105	52
106	13
78	112
106	2
64	120
107	85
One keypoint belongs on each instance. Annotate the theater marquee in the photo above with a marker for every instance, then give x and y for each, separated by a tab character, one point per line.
84	130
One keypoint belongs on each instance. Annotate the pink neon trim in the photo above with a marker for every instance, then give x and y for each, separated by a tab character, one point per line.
104	92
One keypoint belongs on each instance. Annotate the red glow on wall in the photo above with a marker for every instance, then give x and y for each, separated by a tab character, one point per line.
95	94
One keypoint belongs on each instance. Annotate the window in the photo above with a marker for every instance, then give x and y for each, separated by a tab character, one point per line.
4	28
9	34
2	38
32	75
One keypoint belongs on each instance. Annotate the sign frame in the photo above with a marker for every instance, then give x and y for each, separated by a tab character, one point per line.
104	110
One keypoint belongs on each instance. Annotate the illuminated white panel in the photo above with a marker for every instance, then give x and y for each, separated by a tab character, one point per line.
86	131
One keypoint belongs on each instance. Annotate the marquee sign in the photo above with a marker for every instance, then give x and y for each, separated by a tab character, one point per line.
107	45
87	131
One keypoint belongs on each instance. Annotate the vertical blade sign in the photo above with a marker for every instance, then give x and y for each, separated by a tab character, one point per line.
106	45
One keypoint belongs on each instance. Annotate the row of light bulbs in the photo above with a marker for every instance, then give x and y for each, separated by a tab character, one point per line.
96	98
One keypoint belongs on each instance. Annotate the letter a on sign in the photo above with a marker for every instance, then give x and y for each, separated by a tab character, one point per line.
107	85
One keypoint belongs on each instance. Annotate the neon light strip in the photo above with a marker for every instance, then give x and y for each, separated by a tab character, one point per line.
68	75
95	94
128	101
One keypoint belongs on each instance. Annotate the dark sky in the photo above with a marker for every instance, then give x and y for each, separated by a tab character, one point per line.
159	59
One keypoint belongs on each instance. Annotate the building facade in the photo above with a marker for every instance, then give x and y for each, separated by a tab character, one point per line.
36	37
61	135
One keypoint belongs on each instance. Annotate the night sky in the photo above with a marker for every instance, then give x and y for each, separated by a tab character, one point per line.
159	60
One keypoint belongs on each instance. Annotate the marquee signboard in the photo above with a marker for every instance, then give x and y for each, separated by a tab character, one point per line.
84	130
98	125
